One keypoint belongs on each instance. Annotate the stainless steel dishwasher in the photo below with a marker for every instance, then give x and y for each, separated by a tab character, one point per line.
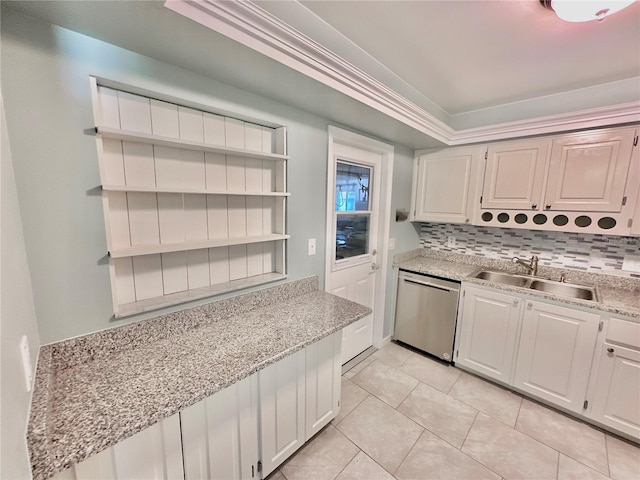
426	310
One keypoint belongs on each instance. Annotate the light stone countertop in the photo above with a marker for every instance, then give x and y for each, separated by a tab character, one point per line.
95	391
617	295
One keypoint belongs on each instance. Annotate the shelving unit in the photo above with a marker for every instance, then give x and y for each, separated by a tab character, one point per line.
194	203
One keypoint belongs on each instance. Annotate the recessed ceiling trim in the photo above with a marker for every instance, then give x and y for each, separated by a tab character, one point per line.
256	28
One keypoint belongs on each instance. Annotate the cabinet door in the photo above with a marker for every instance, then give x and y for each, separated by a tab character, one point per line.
447	185
324	369
282	405
588	171
155	454
488	330
615	400
219	434
514	175
555	354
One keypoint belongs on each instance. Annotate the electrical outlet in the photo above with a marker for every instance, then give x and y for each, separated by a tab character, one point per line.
311	246
451	242
631	263
26	362
392	244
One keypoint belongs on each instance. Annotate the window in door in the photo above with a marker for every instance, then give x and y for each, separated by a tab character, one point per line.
352	209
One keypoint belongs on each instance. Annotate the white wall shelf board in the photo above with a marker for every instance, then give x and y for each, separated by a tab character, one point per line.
141	306
183	247
124	188
138	137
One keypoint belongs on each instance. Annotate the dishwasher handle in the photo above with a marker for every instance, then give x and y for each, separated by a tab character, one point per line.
431	285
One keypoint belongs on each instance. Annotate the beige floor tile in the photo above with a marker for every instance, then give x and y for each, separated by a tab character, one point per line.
323	457
495	401
431	458
381	432
277	475
352	395
431	372
447	417
624	459
509	452
364	468
385	382
393	354
569	469
575	439
355	370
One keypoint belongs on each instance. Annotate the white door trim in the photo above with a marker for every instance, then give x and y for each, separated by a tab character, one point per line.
345	137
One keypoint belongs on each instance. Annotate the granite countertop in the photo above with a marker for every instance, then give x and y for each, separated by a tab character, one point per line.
617	295
95	391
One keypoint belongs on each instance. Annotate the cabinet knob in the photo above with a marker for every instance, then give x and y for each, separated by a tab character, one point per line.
515	303
466	220
610	350
529	305
547	206
534	206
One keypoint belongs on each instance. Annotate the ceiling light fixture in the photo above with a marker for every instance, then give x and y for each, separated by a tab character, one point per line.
585	10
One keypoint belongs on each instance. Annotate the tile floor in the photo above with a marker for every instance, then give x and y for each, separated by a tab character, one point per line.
405	416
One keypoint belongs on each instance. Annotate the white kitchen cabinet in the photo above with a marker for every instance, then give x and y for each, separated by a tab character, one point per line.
220	434
154	454
555	353
487	332
616	384
323	377
588	171
282	410
514	174
447	185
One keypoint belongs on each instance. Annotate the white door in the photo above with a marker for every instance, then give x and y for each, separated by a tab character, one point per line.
487	333
355	231
555	353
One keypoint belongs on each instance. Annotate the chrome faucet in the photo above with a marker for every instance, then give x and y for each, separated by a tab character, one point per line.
532	265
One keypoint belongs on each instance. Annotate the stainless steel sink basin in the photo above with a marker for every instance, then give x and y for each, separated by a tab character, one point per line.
565	290
581	292
505	278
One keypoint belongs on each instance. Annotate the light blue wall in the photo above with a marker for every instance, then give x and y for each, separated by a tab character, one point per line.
45	72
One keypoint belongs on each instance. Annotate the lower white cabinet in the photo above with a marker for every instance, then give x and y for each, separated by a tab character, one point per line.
555	353
487	332
282	414
220	434
154	454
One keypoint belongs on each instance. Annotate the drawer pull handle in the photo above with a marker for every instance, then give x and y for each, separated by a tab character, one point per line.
610	350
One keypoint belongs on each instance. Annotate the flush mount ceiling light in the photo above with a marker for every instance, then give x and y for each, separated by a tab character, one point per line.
585	10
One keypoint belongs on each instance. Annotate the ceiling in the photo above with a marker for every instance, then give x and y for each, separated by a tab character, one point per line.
459	64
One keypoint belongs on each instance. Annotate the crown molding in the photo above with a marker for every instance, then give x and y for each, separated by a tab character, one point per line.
248	24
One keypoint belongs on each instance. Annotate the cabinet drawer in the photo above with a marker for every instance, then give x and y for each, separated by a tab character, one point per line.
624	332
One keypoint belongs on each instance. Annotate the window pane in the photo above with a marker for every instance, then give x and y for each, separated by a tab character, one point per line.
352	236
352	187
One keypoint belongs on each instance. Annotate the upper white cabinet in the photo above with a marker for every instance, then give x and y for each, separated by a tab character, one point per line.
554	354
514	174
588	171
488	325
447	184
220	434
194	203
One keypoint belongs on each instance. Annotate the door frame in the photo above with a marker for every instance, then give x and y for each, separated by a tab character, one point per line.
340	136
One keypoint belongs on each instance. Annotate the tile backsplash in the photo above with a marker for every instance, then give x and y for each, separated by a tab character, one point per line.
589	252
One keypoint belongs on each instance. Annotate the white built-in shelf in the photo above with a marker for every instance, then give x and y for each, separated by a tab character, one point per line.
118	134
181	297
126	188
182	247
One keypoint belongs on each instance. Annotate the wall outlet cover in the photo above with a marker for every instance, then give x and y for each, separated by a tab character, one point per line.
451	242
311	246
392	243
631	263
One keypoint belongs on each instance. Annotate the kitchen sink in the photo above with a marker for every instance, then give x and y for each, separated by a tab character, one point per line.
505	278
565	290
581	292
